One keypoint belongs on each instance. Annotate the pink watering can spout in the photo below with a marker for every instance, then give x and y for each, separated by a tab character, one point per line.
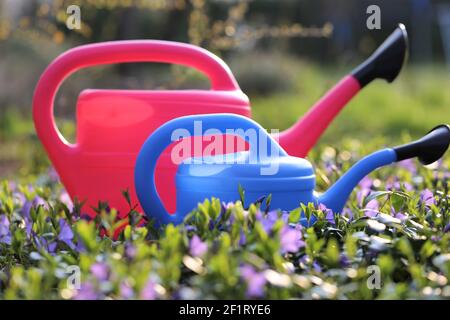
385	63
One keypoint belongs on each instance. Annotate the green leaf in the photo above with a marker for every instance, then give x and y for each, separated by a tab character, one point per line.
398	200
241	194
294	215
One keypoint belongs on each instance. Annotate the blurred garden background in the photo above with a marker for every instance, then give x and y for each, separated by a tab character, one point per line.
284	54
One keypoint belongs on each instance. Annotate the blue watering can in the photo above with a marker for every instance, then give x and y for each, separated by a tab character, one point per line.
290	180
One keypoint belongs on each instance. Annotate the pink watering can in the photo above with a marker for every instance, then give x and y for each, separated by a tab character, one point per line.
112	125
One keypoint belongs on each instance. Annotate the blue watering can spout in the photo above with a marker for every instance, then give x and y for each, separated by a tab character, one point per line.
428	149
337	195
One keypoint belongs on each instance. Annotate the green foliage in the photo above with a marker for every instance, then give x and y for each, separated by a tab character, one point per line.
222	250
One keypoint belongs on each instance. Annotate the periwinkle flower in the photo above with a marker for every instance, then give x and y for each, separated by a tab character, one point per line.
344	261
53	175
242	239
255	281
329	215
130	251
100	271
366	183
86	292
44	244
197	247
269	220
65	233
409	165
5	234
316	266
408	186
285	216
427	198
365	188
447	228
401	216
65	198
20	198
37	201
346	212
371	208
12	185
290	239
393	186
126	291
80	247
149	292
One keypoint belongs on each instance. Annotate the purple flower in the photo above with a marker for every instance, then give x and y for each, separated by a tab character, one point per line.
427	198
366	183
346	212
366	187
65	233
86	292
371	208
130	251
12	185
197	247
269	220
28	227
255	281
26	208
285	216
290	239
409	165
330	167
38	201
100	271
20	197
44	244
242	239
344	261
329	215
447	228
316	266
149	292
393	185
5	234
126	292
53	175
401	216
80	246
408	186
65	198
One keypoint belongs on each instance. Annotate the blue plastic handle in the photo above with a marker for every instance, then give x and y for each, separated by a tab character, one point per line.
144	174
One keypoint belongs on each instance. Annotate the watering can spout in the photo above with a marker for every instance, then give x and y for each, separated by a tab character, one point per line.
385	63
428	149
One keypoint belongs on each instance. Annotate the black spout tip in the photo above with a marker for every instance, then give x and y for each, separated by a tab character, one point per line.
429	148
387	61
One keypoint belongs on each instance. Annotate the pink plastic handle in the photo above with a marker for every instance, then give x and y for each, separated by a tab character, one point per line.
117	52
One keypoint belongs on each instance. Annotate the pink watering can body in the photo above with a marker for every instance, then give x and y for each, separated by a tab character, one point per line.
112	125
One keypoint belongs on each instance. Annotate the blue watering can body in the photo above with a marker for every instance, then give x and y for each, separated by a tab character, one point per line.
262	170
221	176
